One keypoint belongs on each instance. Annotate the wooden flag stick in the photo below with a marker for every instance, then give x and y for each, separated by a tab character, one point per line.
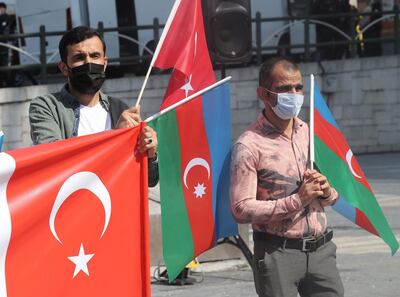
173	106
158	48
312	152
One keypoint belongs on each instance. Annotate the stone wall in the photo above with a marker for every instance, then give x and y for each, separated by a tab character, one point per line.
364	97
363	94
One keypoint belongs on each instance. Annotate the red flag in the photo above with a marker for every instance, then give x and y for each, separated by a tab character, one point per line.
74	218
183	46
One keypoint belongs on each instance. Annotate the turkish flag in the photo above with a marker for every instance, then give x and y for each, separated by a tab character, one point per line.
183	46
74	218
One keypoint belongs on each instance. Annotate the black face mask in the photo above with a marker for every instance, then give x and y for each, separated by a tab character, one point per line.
87	78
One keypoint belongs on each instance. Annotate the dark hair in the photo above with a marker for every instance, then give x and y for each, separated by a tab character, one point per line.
74	36
3	5
264	78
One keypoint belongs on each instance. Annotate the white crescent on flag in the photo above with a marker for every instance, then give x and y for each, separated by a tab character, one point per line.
80	181
191	164
349	157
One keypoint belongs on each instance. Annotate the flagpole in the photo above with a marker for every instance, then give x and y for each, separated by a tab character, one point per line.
158	48
173	106
312	153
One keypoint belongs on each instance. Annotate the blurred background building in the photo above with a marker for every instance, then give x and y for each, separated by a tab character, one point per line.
239	32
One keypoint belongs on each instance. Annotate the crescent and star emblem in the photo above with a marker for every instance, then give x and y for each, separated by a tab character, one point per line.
349	157
199	190
81	181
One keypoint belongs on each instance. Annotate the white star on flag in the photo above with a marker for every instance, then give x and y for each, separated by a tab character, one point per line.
199	190
187	86
81	261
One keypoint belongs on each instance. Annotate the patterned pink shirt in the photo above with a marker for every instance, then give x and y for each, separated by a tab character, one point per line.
267	170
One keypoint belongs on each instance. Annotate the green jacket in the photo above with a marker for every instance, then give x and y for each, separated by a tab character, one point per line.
55	116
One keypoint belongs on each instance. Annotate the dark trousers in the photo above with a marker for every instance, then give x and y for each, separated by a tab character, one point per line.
284	272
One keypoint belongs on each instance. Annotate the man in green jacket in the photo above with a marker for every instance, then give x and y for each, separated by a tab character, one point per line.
80	108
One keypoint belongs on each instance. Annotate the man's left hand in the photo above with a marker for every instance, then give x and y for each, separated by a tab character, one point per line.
148	142
317	177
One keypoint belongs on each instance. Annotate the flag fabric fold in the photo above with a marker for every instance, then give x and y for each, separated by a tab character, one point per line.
335	160
183	47
194	146
74	218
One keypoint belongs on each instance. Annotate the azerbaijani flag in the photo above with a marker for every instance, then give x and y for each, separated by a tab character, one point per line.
335	160
1	139
194	152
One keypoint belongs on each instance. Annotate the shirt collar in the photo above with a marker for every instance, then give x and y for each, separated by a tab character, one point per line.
104	101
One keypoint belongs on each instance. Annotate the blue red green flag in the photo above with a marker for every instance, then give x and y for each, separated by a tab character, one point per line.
335	160
194	152
1	139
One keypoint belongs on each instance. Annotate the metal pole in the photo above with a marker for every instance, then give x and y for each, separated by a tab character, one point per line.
100	29
353	44
43	62
307	34
238	241
223	71
156	30
258	38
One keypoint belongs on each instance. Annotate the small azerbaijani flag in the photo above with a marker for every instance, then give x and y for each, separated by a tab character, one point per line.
1	139
335	160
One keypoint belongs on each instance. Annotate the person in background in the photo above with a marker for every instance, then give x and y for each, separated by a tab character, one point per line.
4	32
333	51
372	48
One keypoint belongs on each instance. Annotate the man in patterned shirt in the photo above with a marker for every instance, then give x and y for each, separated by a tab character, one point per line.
272	189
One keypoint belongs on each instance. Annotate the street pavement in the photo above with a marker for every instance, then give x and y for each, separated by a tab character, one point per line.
364	261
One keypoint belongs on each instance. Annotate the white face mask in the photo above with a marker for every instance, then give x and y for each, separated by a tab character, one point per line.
288	105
